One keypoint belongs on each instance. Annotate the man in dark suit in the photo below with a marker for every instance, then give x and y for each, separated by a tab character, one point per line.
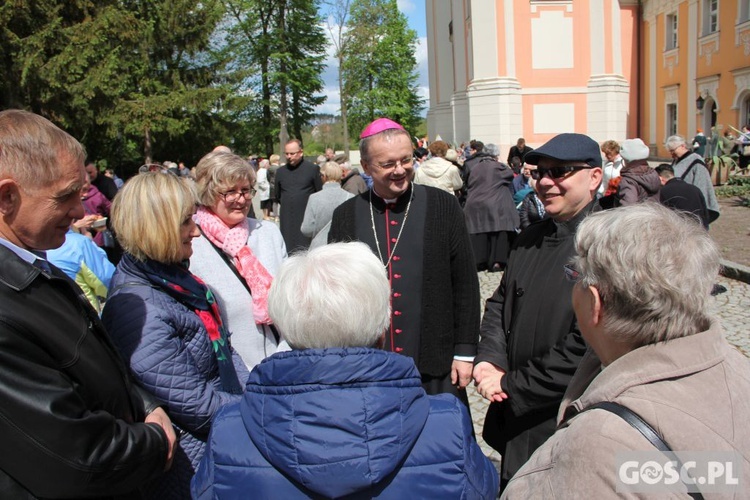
293	185
519	150
101	182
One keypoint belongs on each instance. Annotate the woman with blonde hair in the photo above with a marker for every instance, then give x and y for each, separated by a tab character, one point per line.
166	322
235	255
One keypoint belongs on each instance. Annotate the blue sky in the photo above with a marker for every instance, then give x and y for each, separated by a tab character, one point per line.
414	10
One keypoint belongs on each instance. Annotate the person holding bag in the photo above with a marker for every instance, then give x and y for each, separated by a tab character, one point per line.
235	255
659	375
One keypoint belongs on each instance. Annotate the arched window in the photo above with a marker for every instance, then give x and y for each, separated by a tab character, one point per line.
744	110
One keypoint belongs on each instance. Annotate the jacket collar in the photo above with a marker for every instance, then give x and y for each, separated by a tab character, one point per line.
670	359
15	272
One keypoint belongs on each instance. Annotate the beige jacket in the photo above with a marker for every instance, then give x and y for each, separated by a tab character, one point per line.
695	391
440	173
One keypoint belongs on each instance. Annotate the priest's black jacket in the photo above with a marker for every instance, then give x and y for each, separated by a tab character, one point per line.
424	244
529	330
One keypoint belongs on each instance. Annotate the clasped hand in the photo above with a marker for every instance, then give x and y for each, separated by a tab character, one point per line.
487	379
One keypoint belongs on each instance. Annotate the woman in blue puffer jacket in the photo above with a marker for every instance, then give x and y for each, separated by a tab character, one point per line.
337	416
165	321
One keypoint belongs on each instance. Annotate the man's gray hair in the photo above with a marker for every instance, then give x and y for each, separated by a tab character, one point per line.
651	290
336	295
364	144
31	146
492	150
674	141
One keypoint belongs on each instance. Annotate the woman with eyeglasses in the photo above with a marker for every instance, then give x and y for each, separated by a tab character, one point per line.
491	215
235	255
165	322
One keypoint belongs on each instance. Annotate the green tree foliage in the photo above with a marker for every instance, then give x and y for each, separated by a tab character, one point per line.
137	80
306	52
250	39
281	44
380	66
337	25
119	75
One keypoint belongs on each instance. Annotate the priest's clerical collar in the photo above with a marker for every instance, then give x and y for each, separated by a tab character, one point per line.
386	200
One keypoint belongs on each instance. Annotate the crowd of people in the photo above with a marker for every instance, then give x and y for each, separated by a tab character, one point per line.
160	339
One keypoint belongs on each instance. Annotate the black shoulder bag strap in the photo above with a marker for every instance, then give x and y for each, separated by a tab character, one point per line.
690	167
231	265
638	424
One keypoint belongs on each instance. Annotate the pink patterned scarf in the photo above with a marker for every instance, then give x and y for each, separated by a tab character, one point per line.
233	242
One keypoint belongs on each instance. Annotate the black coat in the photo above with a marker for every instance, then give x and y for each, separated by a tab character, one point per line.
529	330
70	415
292	188
105	185
520	153
489	204
680	195
439	281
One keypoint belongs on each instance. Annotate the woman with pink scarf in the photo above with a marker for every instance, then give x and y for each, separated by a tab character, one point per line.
235	255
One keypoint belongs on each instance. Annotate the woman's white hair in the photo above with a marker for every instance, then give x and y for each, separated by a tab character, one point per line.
674	141
336	295
654	269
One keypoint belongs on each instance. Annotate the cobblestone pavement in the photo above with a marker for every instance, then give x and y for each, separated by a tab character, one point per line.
732	308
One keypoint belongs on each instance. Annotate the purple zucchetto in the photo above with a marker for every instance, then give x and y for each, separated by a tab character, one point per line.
378	126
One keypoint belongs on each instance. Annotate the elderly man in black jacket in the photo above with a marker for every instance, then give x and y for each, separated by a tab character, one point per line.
530	344
73	423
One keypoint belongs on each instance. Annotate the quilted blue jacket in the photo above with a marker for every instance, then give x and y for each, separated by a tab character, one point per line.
168	349
342	422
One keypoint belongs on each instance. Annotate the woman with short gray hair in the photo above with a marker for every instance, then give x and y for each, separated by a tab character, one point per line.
320	206
643	306
337	416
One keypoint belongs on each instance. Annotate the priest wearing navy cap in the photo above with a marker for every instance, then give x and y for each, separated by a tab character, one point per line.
421	238
531	345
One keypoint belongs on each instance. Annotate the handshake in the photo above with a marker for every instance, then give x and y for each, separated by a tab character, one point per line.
487	379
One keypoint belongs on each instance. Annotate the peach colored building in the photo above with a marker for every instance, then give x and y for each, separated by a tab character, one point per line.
696	55
503	69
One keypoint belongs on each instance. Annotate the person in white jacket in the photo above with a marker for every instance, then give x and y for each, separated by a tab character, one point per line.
263	188
437	171
613	165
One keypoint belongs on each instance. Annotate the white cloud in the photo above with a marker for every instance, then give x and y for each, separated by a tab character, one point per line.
406	6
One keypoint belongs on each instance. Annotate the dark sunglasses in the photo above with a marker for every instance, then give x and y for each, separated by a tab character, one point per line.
556	172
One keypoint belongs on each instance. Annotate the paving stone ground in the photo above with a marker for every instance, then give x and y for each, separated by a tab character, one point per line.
732	308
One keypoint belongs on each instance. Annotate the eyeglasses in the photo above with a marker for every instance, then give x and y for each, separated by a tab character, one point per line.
234	196
571	273
557	172
389	165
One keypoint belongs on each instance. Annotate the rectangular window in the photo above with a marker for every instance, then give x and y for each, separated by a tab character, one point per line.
671	119
710	16
744	10
671	32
